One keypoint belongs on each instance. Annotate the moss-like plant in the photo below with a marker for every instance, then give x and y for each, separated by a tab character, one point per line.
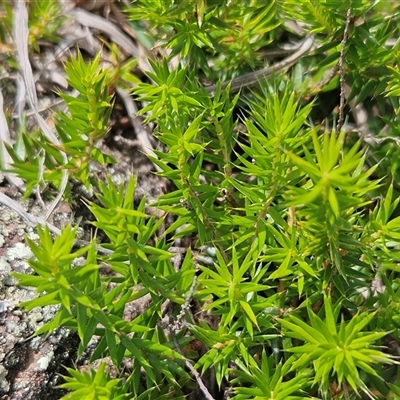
293	267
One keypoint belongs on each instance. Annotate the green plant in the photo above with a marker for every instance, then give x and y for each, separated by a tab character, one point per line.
43	23
93	385
39	161
345	350
290	227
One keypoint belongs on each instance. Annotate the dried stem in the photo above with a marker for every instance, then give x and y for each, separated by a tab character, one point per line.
341	72
177	324
253	78
345	390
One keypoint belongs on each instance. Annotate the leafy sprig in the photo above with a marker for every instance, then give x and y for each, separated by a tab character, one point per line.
293	237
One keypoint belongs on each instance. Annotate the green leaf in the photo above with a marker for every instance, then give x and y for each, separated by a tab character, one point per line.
249	312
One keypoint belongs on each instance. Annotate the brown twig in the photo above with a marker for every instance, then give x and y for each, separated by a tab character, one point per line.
345	390
329	76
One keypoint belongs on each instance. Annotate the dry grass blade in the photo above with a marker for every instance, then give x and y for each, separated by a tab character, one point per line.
253	78
20	35
116	35
5	159
31	219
